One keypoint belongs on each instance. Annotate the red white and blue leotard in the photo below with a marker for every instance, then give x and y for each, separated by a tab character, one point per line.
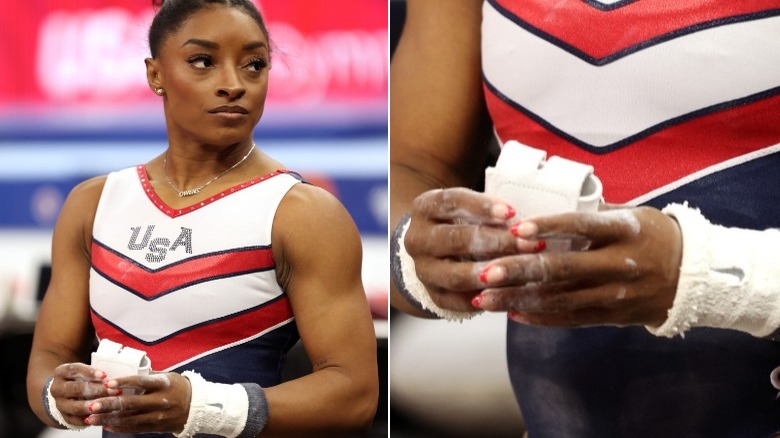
196	287
670	102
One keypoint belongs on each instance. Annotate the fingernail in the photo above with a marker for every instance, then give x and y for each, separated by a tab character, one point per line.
94	407
541	245
88	420
503	211
510	212
476	301
119	391
524	229
492	274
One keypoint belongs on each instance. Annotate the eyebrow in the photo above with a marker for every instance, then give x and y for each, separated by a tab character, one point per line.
213	45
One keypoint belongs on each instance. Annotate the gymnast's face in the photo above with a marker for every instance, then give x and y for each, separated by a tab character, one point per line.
214	71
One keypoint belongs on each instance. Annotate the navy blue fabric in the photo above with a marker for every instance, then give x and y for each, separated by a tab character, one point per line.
623	382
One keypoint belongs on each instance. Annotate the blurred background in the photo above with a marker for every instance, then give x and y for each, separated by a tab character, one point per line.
74	103
449	378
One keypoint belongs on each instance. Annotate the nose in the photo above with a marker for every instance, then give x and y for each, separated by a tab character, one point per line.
230	85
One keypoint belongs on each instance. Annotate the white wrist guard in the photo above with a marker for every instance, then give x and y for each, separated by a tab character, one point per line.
729	278
50	405
409	285
215	408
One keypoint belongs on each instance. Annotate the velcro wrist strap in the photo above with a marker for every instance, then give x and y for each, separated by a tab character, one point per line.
215	408
118	361
534	185
728	278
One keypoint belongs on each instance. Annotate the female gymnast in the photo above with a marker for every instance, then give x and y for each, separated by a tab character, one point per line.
213	259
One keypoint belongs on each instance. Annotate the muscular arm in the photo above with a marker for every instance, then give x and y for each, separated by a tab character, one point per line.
63	329
439	126
318	253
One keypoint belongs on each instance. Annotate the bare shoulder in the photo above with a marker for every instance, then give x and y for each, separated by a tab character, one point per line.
78	212
88	191
308	210
314	235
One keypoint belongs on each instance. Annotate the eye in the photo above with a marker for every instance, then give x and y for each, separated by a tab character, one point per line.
200	61
257	64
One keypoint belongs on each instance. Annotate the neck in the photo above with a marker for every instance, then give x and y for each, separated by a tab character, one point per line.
189	174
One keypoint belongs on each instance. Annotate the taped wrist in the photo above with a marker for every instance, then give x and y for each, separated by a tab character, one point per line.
728	278
224	410
405	277
50	406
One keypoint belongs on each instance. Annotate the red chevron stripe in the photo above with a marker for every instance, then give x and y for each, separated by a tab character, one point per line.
151	284
661	158
601	33
202	339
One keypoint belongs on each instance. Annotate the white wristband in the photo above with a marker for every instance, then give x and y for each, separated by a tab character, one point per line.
729	278
50	405
215	408
416	289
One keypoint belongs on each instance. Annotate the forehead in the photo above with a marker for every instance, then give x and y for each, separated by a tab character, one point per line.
218	23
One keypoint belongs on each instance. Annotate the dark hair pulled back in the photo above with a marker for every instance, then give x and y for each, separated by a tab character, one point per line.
173	13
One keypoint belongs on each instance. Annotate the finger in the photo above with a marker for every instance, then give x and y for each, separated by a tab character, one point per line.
147	383
79	371
599	265
118	404
450	275
477	242
555	299
78	390
74	411
132	422
603	226
448	205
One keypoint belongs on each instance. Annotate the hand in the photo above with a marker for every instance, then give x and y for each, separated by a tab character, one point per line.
162	404
451	232
73	386
627	275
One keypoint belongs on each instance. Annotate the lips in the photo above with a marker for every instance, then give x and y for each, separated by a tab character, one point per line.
229	109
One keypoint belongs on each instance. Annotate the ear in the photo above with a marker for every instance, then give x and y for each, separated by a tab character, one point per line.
153	76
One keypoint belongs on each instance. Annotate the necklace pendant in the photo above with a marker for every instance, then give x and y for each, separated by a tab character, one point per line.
189	192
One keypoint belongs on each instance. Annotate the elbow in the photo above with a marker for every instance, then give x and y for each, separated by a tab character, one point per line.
364	408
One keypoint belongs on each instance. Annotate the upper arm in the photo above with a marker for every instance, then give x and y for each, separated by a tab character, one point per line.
63	327
438	118
319	253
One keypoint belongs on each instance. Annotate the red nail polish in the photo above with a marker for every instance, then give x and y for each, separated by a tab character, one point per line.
88	420
483	275
541	246
105	384
510	212
118	392
476	301
513	229
90	408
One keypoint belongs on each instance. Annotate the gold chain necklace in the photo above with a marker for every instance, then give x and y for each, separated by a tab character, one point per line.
196	190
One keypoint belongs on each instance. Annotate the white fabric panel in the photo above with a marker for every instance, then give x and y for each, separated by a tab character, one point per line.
153	320
596	104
